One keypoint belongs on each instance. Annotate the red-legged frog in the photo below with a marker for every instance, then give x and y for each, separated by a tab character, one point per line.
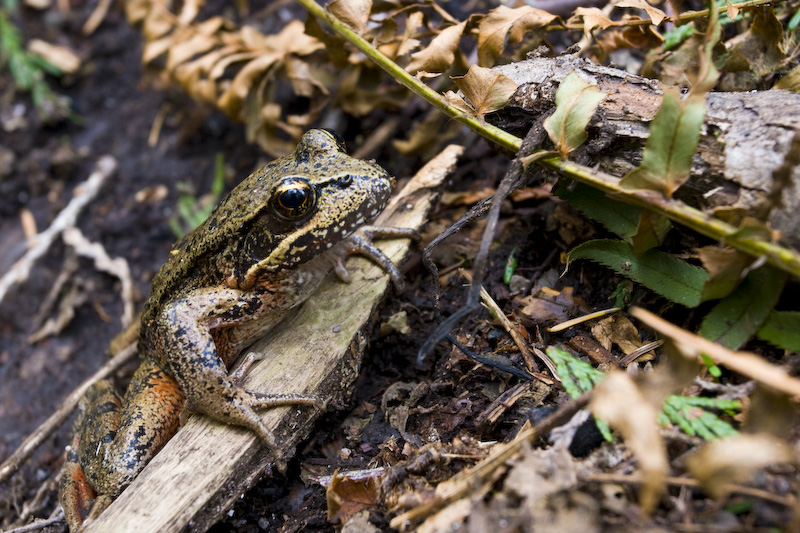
263	251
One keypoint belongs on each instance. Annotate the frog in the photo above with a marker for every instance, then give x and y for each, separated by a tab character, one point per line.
263	251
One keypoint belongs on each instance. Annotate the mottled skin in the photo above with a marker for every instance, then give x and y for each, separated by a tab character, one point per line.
263	251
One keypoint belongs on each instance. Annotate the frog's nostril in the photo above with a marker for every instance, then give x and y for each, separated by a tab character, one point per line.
345	181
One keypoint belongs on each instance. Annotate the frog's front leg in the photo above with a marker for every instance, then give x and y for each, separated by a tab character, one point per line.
199	359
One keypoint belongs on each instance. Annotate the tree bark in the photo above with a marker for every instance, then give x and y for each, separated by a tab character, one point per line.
748	157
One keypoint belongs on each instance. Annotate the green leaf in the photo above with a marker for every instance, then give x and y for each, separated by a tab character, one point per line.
782	328
650	232
576	101
667	157
618	217
692	415
674	37
738	316
576	376
713	369
794	22
669	276
511	266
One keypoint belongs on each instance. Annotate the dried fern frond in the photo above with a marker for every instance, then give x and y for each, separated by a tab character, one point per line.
236	69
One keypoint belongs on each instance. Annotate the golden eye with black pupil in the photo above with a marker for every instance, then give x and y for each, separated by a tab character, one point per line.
293	198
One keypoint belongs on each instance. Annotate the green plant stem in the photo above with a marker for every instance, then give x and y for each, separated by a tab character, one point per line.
677	211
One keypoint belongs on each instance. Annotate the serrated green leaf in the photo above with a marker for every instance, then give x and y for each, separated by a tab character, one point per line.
650	231
782	328
618	217
738	316
662	273
576	101
578	377
667	157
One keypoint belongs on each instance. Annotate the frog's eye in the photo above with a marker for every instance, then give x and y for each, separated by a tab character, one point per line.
293	198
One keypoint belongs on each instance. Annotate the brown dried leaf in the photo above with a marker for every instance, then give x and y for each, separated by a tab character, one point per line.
179	52
655	14
617	330
723	462
504	21
760	49
458	102
592	18
440	54
407	41
233	98
791	81
548	307
486	89
346	496
732	11
618	401
354	13
303	81
725	267
641	37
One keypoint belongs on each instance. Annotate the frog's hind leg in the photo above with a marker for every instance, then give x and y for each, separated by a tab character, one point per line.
113	441
98	407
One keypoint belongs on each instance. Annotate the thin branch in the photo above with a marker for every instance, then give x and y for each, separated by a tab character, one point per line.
83	194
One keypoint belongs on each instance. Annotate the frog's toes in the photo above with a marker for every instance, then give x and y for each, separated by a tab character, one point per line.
247	362
262	400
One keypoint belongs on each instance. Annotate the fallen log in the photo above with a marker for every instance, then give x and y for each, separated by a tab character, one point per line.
748	156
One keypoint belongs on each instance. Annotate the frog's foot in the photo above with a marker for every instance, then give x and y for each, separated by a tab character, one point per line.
240	409
242	370
360	243
260	400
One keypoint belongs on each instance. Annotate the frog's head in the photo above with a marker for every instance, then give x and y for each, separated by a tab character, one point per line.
313	198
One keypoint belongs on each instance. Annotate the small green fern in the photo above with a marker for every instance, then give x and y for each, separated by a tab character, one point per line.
691	414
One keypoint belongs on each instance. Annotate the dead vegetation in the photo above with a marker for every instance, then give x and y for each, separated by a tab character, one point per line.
537	412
